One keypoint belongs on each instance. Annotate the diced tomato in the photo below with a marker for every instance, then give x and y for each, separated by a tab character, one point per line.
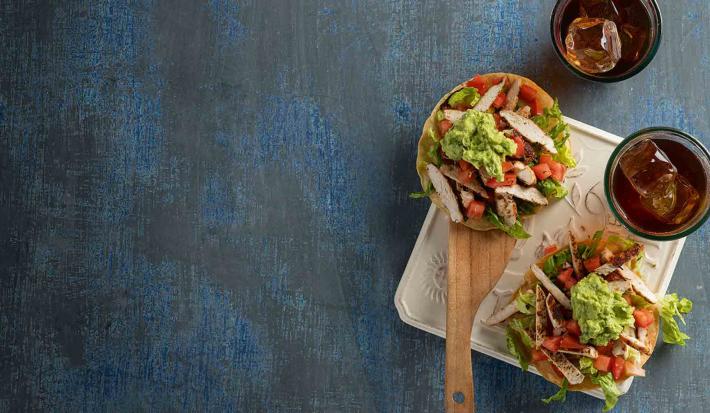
644	318
542	171
466	175
572	327
500	100
549	249
444	126
500	123
558	171
478	82
617	370
496	80
538	355
520	150
606	350
603	363
507	166
546	158
571	342
507	181
528	94
593	263
475	209
465	165
566	278
552	343
535	108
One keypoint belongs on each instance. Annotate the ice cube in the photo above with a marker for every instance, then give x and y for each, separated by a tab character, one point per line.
632	41
605	9
593	44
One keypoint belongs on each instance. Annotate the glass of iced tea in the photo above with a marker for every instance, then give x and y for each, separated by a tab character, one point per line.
606	40
657	183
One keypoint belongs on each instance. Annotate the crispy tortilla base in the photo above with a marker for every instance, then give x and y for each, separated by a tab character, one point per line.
425	141
545	367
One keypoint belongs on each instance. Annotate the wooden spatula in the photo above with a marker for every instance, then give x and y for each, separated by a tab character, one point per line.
476	261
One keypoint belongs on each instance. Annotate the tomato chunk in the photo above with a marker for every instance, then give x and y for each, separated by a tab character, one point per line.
603	363
571	342
558	171
520	150
617	370
507	181
507	166
606	350
546	158
538	355
644	318
572	327
478	82
444	127
552	343
500	100
565	277
592	263
466	175
542	171
528	94
549	249
475	209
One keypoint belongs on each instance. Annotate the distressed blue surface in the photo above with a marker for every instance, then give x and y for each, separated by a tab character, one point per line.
205	203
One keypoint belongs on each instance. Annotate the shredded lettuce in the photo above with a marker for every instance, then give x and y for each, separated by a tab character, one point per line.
525	302
515	231
671	307
423	194
632	355
554	263
560	396
551	122
551	188
623	243
588	252
440	115
518	341
586	366
608	386
467	96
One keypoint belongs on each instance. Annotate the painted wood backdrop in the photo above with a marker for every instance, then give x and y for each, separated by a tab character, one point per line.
204	203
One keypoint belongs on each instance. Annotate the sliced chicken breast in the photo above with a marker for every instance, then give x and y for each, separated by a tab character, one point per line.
526	176
442	187
529	194
511	99
551	287
554	311
453	115
576	260
487	99
606	269
620	286
626	256
529	130
466	197
637	284
572	373
524	111
502	314
540	316
452	172
506	208
587	351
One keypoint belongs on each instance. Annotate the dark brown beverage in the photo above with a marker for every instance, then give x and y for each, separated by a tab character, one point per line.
588	39
674	168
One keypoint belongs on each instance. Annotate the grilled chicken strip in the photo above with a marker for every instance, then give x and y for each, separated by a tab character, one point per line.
529	130
529	194
506	208
626	256
540	316
511	99
524	173
502	314
524	111
587	351
554	311
637	284
572	373
485	102
452	172
445	192
453	115
551	287
576	261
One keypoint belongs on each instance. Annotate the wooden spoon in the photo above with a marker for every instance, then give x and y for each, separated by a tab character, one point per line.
476	261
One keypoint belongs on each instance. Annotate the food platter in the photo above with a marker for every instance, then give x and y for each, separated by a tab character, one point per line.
421	296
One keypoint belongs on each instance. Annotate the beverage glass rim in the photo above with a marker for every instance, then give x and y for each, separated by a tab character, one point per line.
608	175
653	48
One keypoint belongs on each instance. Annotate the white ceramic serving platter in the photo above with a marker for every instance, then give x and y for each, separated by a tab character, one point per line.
421	295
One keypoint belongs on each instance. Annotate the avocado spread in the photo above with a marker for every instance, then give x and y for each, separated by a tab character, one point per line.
601	313
475	139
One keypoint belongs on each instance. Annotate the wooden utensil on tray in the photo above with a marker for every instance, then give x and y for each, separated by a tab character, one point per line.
476	261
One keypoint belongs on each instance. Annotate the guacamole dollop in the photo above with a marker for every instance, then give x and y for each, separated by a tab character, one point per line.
475	139
601	313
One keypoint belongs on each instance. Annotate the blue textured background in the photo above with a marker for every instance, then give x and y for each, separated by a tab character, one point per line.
204	203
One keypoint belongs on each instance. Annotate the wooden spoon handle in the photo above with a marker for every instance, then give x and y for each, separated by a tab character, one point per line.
458	386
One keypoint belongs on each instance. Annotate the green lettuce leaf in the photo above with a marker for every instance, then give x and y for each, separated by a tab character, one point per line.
467	96
623	243
593	246
518	341
551	122
586	366
560	396
671	307
551	188
553	264
515	231
608	386
422	194
525	302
